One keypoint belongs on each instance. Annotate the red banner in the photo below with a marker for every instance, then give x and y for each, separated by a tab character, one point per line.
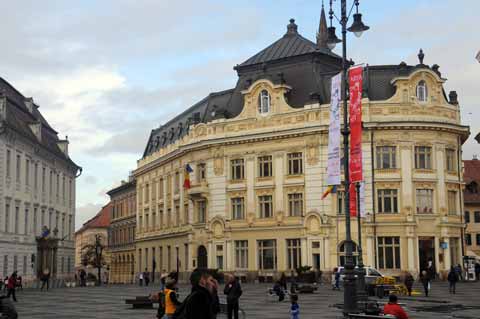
355	165
355	77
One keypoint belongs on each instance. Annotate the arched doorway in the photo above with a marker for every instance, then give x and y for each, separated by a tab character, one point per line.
342	253
202	257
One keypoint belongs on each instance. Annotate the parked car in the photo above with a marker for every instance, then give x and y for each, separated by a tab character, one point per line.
371	274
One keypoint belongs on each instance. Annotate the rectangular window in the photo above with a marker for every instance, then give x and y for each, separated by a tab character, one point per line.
267	254
476	217
452	202
237	169
468	239
340	202
423	157
389	252
387	201
467	216
17	216
147	222
43	179
9	163
386	157
424	199
27	172
295	163
35	176
241	254
451	160
295	204
315	244
50	220
294	254
5	266
25	229
186	262
147	193
42	220
15	263
7	218
160	189
265	206
63	188
35	217
238	208
19	165
265	166
477	239
177	182
201	211
201	172
51	184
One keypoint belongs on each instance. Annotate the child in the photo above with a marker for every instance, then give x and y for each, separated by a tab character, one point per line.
295	308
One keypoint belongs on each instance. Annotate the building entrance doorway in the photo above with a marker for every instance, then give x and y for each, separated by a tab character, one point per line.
426	252
202	257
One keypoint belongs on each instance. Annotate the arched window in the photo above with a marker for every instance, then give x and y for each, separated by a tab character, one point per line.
342	258
264	102
422	91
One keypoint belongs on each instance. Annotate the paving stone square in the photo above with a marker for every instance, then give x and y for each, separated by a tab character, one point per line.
108	302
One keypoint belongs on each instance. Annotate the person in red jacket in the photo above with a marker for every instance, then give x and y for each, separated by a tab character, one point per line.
12	282
393	308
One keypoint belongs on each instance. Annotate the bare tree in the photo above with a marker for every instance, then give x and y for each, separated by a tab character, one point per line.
92	255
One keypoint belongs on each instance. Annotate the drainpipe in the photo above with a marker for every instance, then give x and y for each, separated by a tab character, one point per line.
373	199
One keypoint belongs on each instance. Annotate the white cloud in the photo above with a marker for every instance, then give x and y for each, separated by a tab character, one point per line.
85	212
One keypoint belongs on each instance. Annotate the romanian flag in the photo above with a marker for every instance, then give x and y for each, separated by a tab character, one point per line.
330	189
186	182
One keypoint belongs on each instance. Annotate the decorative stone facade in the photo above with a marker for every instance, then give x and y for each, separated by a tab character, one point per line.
237	218
37	189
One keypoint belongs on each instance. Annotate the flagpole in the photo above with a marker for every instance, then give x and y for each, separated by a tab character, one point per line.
361	292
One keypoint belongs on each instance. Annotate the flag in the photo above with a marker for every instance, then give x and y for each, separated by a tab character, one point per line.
333	161
186	181
355	77
330	189
353	200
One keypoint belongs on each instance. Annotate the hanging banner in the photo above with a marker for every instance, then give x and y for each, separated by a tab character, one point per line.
355	77
353	200
333	164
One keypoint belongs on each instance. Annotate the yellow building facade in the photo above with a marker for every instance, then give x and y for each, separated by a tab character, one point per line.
259	154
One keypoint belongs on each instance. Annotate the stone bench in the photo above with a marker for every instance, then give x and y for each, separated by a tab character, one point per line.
140	302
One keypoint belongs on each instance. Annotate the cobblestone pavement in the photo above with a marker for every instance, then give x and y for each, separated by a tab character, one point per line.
108	302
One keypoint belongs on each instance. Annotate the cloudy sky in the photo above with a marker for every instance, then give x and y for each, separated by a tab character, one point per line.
106	72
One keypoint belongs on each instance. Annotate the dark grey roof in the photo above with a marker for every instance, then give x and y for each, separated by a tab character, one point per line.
291	44
19	117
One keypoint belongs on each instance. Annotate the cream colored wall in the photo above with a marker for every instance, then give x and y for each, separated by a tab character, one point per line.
306	130
472	228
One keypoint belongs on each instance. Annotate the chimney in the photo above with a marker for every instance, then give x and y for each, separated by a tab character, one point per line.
322	33
63	145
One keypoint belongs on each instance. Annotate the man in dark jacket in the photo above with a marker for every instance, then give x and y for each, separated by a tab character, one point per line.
199	304
233	290
452	280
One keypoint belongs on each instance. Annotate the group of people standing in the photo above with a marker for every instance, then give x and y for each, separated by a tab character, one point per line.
203	301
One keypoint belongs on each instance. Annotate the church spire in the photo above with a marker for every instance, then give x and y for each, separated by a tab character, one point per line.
322	34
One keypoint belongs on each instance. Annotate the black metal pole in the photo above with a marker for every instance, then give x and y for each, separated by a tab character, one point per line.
361	291
349	303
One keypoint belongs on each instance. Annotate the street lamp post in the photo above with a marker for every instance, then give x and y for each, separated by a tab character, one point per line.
361	292
350	298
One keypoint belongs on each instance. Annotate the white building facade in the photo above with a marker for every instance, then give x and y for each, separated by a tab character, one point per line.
37	191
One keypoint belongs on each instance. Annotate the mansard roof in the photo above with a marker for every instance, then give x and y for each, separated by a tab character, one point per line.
19	117
292	60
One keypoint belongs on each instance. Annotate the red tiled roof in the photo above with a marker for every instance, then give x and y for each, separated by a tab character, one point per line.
101	220
471	175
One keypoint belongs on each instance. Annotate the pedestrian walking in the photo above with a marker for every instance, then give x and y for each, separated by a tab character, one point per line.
477	271
408	282
425	280
452	280
146	277
12	282
233	290
140	279
83	278
335	279
45	278
459	272
171	299
294	308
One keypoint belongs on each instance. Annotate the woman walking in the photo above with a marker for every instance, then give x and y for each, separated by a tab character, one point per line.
425	279
452	280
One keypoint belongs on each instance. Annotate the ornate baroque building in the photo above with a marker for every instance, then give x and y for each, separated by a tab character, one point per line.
121	235
37	191
259	153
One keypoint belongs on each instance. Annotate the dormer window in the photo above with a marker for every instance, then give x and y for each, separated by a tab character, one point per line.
264	102
422	91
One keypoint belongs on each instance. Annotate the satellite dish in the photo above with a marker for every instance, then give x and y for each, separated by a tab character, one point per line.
478	56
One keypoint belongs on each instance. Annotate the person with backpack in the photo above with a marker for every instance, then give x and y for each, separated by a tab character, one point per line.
233	290
12	283
452	280
168	301
199	304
